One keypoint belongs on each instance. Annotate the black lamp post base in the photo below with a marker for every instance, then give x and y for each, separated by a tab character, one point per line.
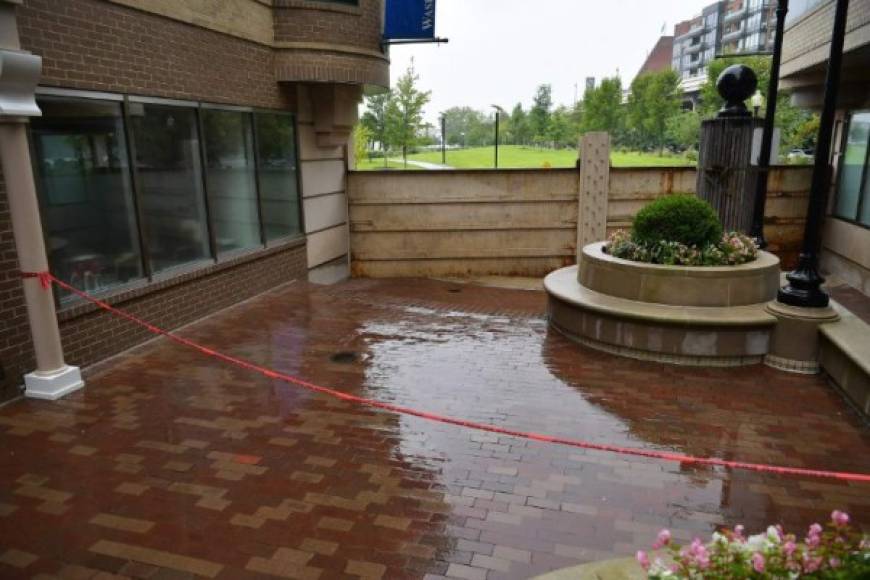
804	286
759	241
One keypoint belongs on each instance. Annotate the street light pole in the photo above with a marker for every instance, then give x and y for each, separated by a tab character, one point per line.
757	229
496	139
443	139
804	283
498	111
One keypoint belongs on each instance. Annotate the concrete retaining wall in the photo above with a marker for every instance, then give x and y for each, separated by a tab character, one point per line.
517	222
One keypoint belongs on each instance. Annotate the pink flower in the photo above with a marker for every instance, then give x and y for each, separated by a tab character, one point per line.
758	562
811	564
815	530
642	559
663	539
789	547
835	562
738	532
839	518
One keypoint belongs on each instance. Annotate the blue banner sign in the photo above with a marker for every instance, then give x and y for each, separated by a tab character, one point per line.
409	19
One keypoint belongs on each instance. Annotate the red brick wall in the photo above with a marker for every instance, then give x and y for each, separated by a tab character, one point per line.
89	44
300	21
16	347
90	335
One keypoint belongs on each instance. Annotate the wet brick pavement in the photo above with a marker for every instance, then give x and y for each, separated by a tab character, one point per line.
173	465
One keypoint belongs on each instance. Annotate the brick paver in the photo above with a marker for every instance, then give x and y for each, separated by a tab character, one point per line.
170	464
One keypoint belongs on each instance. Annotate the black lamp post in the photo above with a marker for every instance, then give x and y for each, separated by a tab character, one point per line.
497	112
443	139
804	284
757	230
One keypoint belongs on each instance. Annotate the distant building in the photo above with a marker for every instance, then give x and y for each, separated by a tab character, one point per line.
806	46
722	28
660	57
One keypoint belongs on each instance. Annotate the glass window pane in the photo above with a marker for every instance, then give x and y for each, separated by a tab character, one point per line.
864	218
852	166
276	148
170	182
83	174
229	153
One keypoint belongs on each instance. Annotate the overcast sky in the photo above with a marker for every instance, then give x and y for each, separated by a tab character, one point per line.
501	50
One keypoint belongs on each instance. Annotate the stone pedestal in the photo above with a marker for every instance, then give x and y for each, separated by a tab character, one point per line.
794	343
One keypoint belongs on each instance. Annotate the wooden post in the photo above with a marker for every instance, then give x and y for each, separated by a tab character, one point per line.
726	176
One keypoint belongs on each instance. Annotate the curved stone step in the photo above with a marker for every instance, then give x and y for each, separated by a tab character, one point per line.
563	284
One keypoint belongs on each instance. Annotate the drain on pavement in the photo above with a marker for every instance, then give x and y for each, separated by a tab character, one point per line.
344	357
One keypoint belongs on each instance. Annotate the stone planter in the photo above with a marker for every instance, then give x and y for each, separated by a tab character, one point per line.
619	569
706	316
740	285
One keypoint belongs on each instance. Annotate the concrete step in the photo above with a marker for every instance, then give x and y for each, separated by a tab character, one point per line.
845	356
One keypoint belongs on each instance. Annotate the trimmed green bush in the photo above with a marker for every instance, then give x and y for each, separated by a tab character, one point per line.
684	219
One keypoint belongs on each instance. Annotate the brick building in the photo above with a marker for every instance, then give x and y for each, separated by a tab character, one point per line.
189	155
806	46
659	58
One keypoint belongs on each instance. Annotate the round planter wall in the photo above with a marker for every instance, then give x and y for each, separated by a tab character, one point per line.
750	283
702	316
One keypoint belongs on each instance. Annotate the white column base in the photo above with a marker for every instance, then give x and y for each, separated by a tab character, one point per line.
53	385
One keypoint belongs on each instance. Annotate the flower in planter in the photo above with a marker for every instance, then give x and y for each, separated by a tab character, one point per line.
681	230
733	248
835	551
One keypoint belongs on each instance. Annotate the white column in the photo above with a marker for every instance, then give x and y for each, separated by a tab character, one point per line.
19	73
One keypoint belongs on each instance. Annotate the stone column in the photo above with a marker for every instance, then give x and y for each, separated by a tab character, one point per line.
794	342
19	73
594	189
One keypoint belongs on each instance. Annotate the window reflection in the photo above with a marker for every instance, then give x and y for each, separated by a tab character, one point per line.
276	148
87	203
96	208
853	168
170	184
231	179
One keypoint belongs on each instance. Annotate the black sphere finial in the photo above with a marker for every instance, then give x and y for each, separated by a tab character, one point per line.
736	84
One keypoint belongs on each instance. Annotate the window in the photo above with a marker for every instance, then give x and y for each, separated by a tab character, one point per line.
231	179
170	184
853	188
139	187
82	169
279	195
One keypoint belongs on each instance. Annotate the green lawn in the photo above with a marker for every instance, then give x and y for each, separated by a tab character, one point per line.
516	156
375	164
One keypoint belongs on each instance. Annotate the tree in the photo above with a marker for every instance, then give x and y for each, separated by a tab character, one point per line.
795	124
361	138
602	108
519	132
653	100
539	115
405	112
562	131
375	119
467	127
684	130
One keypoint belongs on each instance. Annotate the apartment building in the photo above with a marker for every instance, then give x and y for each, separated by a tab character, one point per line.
724	27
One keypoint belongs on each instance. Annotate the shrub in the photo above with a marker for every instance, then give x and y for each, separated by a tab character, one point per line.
835	552
684	219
